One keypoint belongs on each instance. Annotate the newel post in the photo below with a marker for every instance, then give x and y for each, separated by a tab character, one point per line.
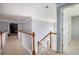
38	46
50	39
1	42
33	43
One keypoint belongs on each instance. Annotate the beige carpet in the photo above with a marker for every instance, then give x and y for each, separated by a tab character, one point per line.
73	48
14	47
49	52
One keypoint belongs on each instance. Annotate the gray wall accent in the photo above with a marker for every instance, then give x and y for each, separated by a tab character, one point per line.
59	30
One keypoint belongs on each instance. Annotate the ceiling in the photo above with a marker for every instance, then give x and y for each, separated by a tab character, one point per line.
38	11
73	10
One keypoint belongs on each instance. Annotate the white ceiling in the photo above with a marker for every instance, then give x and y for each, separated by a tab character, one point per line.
73	10
34	10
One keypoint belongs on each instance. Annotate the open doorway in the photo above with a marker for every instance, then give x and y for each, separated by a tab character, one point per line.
71	30
13	28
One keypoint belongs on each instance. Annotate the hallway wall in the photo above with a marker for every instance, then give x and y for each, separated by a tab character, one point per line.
1	9
75	28
20	26
41	28
4	26
66	29
28	26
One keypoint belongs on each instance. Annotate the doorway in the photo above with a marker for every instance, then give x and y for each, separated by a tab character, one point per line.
71	30
13	28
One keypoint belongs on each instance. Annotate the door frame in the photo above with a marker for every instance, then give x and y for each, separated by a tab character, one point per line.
60	25
13	23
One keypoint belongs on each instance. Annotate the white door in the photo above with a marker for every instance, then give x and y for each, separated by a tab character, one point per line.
66	30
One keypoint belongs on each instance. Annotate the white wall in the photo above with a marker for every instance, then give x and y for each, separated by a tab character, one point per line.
34	10
20	26
28	26
0	9
73	10
75	28
66	29
41	28
4	26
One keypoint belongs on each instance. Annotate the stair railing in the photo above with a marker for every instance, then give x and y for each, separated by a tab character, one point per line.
33	40
40	43
1	40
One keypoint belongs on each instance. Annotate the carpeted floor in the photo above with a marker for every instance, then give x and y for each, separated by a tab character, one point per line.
14	47
49	52
73	48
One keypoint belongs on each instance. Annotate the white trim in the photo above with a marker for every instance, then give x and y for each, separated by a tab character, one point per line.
11	21
28	19
60	24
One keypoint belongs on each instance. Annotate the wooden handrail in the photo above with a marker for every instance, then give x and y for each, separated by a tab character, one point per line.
47	35
44	37
25	32
50	39
1	40
33	40
33	43
53	33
